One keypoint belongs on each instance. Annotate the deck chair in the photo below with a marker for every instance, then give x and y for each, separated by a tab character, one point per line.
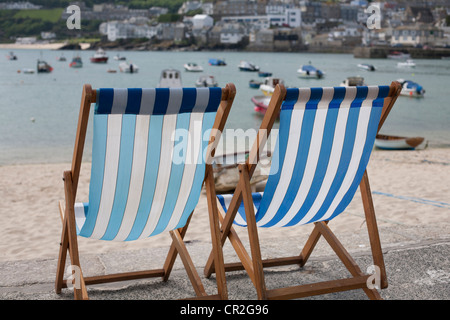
324	143
137	188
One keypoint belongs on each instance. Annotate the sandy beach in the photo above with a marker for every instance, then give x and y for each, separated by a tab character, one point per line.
411	188
39	46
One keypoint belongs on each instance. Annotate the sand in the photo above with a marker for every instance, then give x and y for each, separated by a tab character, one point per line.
411	188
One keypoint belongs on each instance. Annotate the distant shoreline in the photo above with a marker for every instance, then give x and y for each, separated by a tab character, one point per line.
43	46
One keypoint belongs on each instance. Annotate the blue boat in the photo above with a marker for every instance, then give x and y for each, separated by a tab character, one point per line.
217	62
254	84
264	74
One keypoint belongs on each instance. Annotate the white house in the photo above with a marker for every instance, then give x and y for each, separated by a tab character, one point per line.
200	21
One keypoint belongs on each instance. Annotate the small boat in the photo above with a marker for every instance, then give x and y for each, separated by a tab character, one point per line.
217	62
353	82
61	58
76	62
269	85
11	56
264	74
128	67
310	72
226	171
192	67
111	71
411	89
366	66
118	57
247	66
399	55
407	64
261	103
386	142
254	84
99	56
170	78
43	67
206	81
27	71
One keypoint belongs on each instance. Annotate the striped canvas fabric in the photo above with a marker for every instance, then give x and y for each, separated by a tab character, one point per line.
148	161
324	143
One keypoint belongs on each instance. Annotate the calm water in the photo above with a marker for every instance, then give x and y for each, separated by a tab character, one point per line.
39	112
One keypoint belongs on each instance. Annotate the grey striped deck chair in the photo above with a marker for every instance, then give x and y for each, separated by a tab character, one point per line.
325	139
150	158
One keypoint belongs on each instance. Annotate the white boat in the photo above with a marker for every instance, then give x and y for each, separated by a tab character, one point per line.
407	64
269	84
192	67
411	89
206	81
99	56
386	142
27	71
353	82
118	57
247	66
128	67
170	78
310	72
367	67
399	55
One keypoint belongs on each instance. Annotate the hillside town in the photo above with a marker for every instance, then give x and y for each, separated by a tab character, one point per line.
262	25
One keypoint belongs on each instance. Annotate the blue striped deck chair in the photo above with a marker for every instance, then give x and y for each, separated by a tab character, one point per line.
325	139
151	155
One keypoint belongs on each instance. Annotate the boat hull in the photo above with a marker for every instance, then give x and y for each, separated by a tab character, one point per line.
385	142
99	60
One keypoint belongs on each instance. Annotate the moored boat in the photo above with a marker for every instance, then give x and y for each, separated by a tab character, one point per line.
407	64
76	62
387	142
310	72
399	55
128	67
99	56
411	89
254	84
264	74
353	82
269	84
217	62
61	58
192	67
247	66
11	56
118	57
206	81
366	66
43	67
170	78
261	103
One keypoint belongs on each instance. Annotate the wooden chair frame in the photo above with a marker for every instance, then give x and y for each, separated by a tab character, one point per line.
69	236
254	264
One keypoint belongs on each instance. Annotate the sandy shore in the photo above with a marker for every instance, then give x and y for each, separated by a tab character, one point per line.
39	46
411	188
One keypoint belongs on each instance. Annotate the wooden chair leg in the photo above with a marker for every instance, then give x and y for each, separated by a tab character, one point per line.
253	233
310	245
215	234
345	257
80	293
188	264
64	246
372	228
172	255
